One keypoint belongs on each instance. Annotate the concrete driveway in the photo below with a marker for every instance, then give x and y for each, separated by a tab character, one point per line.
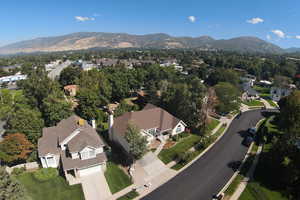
95	187
147	168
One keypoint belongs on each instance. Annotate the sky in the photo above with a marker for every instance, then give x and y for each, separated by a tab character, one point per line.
276	21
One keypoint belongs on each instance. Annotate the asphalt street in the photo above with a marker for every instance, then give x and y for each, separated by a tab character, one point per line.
209	174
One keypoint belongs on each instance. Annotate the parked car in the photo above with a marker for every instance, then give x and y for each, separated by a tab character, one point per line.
252	131
218	197
247	141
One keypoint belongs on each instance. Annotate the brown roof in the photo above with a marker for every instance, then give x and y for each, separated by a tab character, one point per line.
53	136
49	142
69	163
71	87
86	137
150	117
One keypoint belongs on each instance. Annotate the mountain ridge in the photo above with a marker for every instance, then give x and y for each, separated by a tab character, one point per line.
89	40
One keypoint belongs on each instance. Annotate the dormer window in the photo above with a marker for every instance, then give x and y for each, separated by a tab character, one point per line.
87	154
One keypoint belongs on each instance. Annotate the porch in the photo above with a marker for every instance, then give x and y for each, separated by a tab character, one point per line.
72	176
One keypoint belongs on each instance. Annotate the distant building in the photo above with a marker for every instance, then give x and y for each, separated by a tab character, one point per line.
265	83
277	93
71	90
52	65
249	93
12	78
249	80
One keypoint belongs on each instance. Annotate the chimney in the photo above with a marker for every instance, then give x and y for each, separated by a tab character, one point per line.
81	122
110	123
94	124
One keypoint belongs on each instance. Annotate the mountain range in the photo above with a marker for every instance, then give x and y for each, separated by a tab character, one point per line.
89	40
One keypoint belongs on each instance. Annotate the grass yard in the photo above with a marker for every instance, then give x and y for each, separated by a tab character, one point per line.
129	196
255	191
271	102
178	166
56	188
253	103
213	124
168	155
116	178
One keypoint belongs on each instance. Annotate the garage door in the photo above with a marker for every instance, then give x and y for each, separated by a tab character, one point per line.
90	170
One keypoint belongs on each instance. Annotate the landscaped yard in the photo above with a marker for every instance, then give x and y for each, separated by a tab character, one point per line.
56	188
116	178
271	103
253	103
197	152
168	155
213	124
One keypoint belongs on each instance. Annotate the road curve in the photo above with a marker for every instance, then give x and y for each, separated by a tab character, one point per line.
209	174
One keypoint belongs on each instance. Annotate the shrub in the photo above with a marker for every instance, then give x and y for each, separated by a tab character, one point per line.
185	157
18	171
45	174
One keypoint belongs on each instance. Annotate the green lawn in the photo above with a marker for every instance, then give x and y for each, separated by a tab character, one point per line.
213	124
253	103
56	188
271	103
178	166
129	196
116	178
168	155
255	191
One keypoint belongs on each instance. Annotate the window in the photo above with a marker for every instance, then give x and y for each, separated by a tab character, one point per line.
92	153
152	131
84	155
178	129
87	154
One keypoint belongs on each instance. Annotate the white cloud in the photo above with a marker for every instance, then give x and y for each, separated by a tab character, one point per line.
192	19
279	33
83	19
269	37
255	20
297	37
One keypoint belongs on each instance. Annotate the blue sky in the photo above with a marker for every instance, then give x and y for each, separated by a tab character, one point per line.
276	21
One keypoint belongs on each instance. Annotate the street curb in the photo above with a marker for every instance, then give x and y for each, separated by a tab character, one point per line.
238	171
208	148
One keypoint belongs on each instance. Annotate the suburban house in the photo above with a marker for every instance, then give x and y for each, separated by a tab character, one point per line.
74	146
249	80
279	92
12	78
153	122
71	90
249	93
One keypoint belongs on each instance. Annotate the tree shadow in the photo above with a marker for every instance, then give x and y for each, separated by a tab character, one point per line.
234	165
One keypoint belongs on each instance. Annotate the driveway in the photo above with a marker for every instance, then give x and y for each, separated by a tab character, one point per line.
148	168
212	171
95	187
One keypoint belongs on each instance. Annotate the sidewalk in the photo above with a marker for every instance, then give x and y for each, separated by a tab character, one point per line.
266	103
242	186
